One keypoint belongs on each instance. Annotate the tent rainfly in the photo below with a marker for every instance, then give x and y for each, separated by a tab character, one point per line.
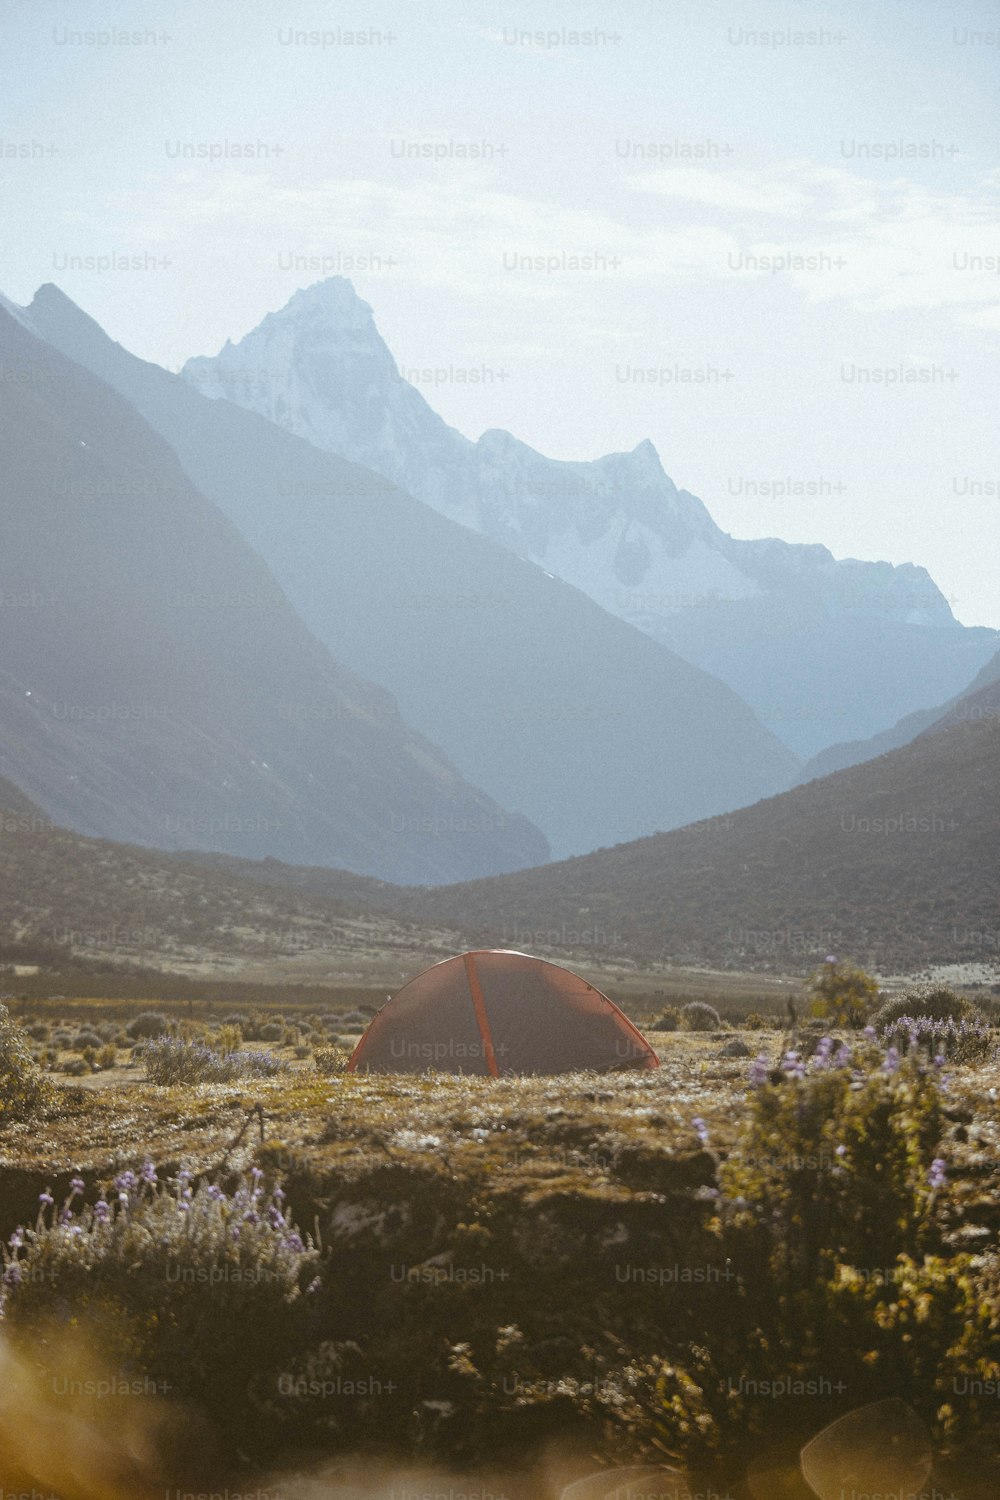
494	1013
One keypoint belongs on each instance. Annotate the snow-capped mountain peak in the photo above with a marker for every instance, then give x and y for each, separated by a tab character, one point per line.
616	527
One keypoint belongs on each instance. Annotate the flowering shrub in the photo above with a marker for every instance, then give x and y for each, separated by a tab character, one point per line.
21	1084
199	1289
698	1016
965	1041
835	1158
170	1060
931	1004
829	1216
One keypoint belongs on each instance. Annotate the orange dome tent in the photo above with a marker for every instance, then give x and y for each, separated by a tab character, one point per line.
497	1012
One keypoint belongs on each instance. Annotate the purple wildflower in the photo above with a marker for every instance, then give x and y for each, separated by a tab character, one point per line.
77	1185
891	1064
937	1177
701	1129
148	1173
102	1213
792	1064
46	1199
758	1071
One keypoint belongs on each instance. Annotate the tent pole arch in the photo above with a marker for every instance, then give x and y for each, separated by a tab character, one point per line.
482	1019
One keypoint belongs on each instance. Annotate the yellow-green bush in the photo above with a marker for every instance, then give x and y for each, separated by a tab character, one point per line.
21	1084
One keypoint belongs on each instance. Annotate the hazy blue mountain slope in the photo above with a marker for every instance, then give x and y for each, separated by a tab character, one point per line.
555	707
148	657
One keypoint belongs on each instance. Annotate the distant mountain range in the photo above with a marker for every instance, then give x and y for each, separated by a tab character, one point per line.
892	863
198	604
559	710
148	658
824	651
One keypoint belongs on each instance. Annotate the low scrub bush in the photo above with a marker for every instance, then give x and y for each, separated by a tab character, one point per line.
86	1038
227	1039
668	1020
21	1084
699	1016
352	1019
149	1023
756	1022
330	1060
168	1060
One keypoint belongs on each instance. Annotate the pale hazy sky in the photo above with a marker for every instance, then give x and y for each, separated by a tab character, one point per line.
857	140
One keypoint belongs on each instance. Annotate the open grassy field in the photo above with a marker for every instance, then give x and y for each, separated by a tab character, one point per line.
504	1285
